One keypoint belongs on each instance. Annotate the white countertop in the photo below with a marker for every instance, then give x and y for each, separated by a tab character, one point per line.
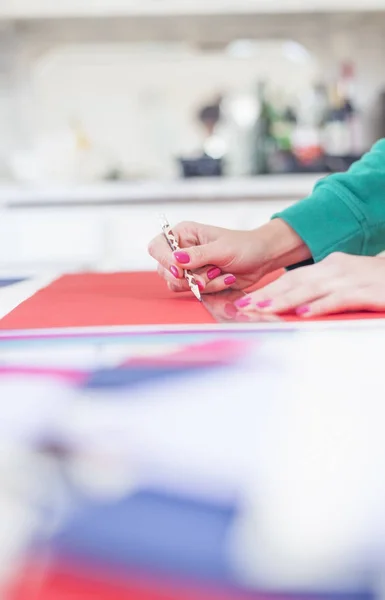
293	187
35	9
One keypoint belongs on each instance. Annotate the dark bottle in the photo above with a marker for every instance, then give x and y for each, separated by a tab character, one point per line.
264	140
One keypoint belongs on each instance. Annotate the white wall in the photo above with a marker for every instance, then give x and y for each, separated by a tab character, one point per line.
115	238
138	105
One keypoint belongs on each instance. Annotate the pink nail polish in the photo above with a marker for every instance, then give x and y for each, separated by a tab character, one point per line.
302	310
174	271
182	257
264	304
243	302
200	286
213	273
230	280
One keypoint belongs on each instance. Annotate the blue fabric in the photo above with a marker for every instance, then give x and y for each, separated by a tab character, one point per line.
152	531
163	535
11	281
122	377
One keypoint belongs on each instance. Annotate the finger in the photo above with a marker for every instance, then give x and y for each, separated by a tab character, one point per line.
213	279
204	276
209	281
206	285
172	274
177	284
220	283
293	288
197	257
263	298
159	249
347	300
298	296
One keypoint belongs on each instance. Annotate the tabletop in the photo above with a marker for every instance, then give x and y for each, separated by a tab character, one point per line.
262	447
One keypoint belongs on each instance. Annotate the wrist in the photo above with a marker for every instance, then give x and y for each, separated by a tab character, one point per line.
282	245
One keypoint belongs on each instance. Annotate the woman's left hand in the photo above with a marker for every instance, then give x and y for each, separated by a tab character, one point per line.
339	283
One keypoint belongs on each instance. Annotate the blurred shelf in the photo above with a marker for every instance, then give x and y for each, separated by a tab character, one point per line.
47	9
290	187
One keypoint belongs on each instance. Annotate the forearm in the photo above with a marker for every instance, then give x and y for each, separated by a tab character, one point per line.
346	211
283	247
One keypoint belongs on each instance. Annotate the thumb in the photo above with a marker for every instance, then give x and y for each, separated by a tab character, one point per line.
197	257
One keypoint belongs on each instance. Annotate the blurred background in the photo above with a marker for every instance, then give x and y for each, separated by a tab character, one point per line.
110	110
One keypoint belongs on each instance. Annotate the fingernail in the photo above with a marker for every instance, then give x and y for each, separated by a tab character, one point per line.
230	280
200	286
174	271
243	302
213	273
182	257
264	304
302	310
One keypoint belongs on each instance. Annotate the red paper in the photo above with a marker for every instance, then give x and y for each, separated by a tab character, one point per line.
94	300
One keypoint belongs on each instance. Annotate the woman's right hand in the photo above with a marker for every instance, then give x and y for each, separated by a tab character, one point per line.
224	258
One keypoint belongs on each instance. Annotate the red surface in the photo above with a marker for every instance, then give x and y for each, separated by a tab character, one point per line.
87	300
61	583
92	300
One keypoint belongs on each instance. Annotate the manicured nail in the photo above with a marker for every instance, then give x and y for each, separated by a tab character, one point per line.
302	310
213	273
182	257
200	286
243	302
264	304
174	272
230	279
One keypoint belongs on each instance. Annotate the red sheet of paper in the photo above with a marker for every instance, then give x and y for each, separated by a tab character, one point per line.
93	300
86	300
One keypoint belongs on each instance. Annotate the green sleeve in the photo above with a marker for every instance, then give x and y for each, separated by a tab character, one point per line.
346	211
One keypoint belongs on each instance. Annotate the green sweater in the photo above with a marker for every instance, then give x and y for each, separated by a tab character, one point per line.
345	212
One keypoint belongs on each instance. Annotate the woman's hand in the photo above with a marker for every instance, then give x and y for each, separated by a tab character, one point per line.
225	258
339	283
